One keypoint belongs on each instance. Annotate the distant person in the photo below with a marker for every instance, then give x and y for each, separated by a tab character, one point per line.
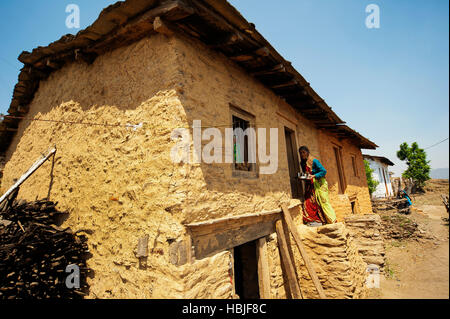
318	209
404	194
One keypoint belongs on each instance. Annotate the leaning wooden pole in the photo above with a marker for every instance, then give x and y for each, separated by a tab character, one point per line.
263	268
309	266
288	263
28	173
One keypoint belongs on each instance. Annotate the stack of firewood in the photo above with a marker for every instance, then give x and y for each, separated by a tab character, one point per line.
34	253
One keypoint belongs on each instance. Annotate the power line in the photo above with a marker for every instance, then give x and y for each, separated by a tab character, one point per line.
8	63
436	144
136	126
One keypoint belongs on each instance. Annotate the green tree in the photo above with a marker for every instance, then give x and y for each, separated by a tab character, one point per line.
370	181
418	166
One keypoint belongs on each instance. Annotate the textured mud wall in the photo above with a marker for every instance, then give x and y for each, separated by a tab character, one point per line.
334	254
356	185
211	84
118	184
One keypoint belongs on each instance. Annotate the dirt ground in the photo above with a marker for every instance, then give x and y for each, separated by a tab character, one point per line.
418	267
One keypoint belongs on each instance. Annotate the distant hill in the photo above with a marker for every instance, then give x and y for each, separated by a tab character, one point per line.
439	173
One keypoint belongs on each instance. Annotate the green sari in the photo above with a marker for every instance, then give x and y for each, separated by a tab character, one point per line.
321	193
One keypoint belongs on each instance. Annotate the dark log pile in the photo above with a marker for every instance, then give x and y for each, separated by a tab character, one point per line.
399	205
34	253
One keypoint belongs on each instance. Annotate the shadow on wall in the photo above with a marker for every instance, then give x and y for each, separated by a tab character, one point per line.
123	79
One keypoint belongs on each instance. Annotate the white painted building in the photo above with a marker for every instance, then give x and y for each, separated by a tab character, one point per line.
380	173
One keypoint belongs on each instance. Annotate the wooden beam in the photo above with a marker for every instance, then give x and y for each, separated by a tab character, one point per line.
284	85
263	51
89	58
316	117
170	11
213	236
142	251
287	262
312	109
304	107
279	68
53	64
326	124
309	265
263	269
189	255
242	57
210	240
229	39
142	247
221	23
160	26
299	94
23	109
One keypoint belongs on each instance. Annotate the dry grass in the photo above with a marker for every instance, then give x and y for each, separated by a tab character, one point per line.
434	188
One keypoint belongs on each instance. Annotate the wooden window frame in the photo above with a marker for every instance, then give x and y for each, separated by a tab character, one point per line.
354	165
251	119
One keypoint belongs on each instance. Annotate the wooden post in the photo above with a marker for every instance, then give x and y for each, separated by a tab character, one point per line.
160	26
308	263
142	251
263	269
189	254
287	262
28	173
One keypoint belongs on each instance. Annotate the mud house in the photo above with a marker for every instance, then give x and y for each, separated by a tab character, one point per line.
110	97
380	166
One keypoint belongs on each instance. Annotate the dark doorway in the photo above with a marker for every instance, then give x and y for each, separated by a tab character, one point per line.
246	271
353	206
293	163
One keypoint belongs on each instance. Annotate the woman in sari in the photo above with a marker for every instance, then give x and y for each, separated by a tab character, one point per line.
317	207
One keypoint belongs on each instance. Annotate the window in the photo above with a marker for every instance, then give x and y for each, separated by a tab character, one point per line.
341	178
244	144
355	167
241	152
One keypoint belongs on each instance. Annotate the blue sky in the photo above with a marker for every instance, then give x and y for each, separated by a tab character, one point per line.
390	84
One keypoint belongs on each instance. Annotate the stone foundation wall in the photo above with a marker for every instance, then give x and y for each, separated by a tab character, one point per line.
335	258
367	233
